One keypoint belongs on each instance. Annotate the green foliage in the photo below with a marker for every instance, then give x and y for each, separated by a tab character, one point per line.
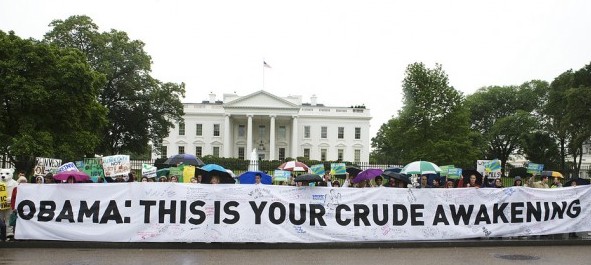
432	125
141	108
48	103
504	115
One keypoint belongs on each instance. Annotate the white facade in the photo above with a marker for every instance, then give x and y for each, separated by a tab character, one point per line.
278	127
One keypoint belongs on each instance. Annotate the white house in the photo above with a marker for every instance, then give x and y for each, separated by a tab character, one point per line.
278	127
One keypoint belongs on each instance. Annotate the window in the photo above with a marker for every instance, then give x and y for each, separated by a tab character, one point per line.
199	129
261	131
282	132
216	151
199	151
322	154
181	128
163	150
181	149
340	153
323	132
216	130
282	153
357	132
307	132
307	153
241	153
357	155
241	130
341	133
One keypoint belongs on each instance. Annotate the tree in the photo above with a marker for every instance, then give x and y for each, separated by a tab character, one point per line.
503	115
568	116
48	102
432	125
141	108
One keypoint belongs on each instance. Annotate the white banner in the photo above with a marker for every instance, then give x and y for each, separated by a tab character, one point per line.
176	212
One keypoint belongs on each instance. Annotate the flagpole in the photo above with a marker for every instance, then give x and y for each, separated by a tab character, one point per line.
263	73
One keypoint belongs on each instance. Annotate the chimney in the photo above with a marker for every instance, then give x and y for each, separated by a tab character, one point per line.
211	97
313	100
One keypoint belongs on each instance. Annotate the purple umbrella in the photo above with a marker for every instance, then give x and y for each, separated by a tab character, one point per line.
79	176
369	173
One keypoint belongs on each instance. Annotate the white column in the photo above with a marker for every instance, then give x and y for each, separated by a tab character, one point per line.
272	138
227	138
249	133
294	137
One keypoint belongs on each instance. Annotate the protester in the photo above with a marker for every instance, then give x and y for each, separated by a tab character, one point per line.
450	184
498	183
472	183
542	184
174	179
336	184
39	180
379	181
214	180
144	179
257	178
424	182
436	183
517	181
556	183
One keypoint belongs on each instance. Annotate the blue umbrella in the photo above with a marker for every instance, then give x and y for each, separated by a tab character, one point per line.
248	177
210	170
210	167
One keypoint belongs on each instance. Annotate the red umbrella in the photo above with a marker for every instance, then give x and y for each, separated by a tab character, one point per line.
79	176
294	166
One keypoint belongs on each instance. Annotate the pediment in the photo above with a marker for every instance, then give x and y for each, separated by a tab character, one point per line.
261	99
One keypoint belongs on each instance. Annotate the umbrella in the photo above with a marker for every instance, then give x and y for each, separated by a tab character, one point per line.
519	171
249	176
393	169
79	176
308	178
353	170
554	174
579	182
395	175
185	159
466	173
367	174
294	166
210	170
420	167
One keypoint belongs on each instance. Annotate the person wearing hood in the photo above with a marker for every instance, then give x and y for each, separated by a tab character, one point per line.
40	180
517	182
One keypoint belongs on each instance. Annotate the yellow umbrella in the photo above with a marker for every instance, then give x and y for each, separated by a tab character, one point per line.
554	174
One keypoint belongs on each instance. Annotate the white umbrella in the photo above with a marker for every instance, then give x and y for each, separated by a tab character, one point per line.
420	167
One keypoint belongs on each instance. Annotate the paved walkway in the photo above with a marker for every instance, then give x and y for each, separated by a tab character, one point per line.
554	240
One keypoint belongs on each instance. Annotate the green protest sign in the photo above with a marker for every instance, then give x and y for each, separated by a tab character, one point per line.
94	168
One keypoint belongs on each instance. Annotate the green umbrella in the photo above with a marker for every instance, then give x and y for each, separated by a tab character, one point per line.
420	167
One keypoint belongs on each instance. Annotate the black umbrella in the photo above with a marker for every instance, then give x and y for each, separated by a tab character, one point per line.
579	182
393	169
185	159
519	171
391	174
466	173
353	170
308	178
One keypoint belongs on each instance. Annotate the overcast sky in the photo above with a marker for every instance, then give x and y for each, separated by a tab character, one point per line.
345	52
